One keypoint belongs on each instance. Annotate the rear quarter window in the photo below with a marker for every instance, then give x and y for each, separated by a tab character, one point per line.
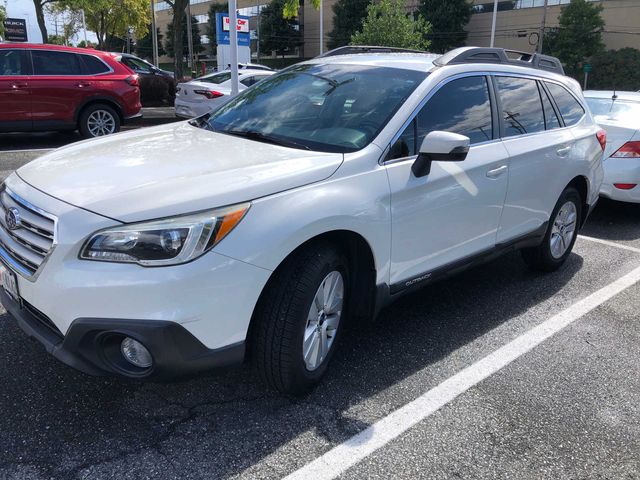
94	66
569	107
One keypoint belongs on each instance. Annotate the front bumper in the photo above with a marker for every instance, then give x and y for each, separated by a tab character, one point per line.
91	345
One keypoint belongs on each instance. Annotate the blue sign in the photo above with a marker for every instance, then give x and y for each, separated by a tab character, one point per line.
222	30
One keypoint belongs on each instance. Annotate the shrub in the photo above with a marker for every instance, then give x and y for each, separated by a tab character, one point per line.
615	70
157	90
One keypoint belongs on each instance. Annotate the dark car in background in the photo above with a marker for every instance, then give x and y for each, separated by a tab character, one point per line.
157	86
50	87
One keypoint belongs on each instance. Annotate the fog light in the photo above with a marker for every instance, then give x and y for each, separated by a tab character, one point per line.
136	353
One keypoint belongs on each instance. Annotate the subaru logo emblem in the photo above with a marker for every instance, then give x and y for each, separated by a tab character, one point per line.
12	218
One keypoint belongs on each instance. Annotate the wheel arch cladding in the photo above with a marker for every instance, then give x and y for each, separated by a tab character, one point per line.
362	270
581	184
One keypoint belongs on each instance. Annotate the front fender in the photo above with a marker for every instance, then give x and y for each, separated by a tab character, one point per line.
278	224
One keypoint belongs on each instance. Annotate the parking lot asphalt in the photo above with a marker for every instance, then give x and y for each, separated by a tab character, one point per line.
569	408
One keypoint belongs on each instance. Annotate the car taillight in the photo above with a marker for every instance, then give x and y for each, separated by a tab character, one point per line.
132	80
602	138
628	150
625	186
209	93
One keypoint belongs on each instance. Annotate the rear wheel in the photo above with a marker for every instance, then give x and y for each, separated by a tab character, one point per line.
560	236
98	120
299	319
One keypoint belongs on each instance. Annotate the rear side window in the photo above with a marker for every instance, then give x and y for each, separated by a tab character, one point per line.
94	66
521	106
46	62
550	116
12	63
569	107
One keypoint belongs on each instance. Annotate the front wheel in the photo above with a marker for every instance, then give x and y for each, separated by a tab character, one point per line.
299	319
98	120
560	236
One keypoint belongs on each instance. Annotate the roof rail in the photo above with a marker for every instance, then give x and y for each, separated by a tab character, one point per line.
354	49
501	56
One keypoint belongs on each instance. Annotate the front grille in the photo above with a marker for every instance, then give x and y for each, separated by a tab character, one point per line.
26	247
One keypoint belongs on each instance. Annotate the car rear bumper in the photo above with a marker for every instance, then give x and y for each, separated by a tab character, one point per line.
91	345
617	171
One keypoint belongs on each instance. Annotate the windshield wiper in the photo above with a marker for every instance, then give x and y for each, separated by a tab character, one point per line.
202	122
261	137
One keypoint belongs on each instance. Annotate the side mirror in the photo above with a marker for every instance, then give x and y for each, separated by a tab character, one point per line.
441	147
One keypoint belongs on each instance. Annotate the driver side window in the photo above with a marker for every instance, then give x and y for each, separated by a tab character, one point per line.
460	106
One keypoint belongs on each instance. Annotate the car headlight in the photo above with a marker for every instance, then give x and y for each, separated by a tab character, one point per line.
164	242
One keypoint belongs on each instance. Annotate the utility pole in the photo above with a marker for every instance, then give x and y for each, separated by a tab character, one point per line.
542	26
233	47
154	33
189	36
493	23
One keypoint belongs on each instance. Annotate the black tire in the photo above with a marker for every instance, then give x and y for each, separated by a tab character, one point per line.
281	318
540	258
109	112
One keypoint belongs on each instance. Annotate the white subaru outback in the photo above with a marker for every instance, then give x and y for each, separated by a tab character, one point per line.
314	198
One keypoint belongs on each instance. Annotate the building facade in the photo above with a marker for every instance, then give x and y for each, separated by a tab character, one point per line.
517	26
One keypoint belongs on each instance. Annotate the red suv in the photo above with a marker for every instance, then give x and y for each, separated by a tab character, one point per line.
48	87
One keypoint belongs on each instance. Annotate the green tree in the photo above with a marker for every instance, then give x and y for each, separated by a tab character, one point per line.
56	39
290	8
387	24
39	6
347	20
278	33
448	19
112	19
578	37
211	25
616	70
3	15
88	44
195	32
144	45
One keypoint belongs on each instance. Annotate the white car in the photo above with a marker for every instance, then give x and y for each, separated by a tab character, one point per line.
204	94
619	114
313	199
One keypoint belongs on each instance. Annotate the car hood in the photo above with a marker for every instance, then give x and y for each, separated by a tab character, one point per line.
171	170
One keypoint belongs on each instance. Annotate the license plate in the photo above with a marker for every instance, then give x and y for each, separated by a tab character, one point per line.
9	282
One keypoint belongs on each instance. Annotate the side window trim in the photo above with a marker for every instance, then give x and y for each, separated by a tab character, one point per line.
497	108
553	103
424	101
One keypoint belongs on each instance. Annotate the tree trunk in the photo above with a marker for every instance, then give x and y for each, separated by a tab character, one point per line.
41	22
178	46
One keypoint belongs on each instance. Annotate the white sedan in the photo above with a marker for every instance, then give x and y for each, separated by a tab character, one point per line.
204	94
619	114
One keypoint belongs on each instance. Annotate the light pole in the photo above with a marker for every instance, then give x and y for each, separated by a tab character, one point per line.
493	23
233	46
154	33
322	29
542	26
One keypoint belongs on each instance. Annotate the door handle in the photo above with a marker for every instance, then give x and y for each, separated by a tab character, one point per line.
496	172
83	85
564	151
18	86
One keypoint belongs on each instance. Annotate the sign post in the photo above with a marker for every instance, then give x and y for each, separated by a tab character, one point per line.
15	30
586	68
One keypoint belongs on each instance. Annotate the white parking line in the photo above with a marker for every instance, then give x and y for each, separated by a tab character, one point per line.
611	244
358	447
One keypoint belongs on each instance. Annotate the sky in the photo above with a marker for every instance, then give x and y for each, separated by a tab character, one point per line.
25	9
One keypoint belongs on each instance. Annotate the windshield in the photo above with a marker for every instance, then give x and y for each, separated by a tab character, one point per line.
620	110
332	108
216	79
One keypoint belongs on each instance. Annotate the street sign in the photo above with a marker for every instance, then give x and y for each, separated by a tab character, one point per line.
586	67
15	30
222	30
